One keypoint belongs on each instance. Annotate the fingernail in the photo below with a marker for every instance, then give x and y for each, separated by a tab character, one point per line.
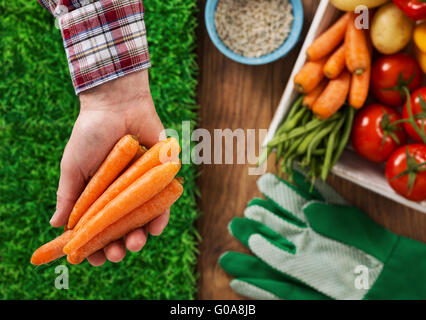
161	229
53	219
153	233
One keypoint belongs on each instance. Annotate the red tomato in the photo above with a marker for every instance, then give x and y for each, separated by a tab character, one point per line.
418	107
403	172
373	135
394	71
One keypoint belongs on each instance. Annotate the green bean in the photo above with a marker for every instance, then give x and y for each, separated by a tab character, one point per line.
306	118
312	173
304	162
284	147
295	106
319	152
279	152
281	168
292	123
318	138
318	166
350	113
293	117
291	152
290	166
326	167
295	144
296	132
305	144
311	125
264	155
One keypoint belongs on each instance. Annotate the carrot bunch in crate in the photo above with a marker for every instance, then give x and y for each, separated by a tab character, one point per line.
338	68
132	187
334	82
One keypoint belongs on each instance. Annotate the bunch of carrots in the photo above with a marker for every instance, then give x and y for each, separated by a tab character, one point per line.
132	187
339	65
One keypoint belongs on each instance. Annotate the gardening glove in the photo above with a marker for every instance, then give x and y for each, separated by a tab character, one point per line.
311	245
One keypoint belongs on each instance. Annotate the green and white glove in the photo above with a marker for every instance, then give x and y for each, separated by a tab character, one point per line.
312	245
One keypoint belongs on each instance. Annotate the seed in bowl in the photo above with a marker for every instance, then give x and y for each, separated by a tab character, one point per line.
253	28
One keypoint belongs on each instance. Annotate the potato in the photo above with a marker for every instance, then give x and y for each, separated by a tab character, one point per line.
419	36
421	57
350	5
391	29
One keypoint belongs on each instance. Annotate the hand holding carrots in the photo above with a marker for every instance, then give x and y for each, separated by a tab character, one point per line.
140	194
108	112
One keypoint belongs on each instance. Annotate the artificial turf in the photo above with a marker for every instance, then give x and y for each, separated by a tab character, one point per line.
38	108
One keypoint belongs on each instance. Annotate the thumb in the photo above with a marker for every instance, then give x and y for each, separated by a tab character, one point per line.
71	184
148	126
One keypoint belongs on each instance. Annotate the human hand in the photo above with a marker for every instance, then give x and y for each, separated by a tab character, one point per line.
107	113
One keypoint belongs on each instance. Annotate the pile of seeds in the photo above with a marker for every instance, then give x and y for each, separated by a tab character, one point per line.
253	28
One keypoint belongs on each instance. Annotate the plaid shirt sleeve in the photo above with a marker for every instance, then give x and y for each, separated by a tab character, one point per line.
103	39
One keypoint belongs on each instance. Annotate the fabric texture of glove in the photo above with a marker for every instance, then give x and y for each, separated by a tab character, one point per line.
312	245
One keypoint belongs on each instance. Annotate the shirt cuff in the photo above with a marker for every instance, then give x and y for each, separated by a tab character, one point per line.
104	40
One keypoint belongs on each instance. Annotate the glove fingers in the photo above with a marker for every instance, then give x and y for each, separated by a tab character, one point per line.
273	221
243	229
242	265
246	289
283	194
266	289
250	271
328	266
279	212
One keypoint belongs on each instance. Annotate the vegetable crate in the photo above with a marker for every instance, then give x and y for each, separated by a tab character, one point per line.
350	166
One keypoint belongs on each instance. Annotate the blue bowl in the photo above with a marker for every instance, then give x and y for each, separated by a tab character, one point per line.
282	51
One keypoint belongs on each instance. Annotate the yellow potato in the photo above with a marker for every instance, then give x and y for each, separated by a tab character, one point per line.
350	5
420	36
391	29
421	57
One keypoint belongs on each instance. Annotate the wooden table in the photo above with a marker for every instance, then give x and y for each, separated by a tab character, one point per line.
233	95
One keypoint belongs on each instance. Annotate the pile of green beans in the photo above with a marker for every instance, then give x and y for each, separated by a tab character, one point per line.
314	144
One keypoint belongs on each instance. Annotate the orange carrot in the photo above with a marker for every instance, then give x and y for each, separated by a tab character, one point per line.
311	97
148	161
359	89
115	162
141	151
139	192
310	75
52	250
357	53
329	40
333	96
135	219
335	64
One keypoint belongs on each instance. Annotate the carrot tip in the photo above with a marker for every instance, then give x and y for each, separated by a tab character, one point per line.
299	87
66	250
359	72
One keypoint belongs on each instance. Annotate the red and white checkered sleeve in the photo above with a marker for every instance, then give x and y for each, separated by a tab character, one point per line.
103	39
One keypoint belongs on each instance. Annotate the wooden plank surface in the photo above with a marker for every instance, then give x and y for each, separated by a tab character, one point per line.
234	96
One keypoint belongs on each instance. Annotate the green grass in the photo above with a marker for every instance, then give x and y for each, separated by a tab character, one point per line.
38	109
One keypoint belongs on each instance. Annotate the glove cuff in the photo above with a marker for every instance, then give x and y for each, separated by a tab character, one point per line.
404	273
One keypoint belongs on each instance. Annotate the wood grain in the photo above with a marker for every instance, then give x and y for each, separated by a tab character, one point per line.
234	96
